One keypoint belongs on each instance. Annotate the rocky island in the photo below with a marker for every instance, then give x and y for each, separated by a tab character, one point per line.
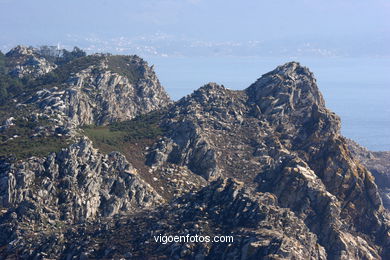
96	160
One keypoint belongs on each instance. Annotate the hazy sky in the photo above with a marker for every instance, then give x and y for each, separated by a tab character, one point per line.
185	27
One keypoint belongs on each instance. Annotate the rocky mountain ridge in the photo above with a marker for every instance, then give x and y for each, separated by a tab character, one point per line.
267	165
284	141
89	90
96	95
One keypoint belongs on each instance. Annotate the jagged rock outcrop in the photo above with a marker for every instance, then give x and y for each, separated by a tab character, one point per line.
277	136
195	123
26	61
288	97
75	185
78	181
100	95
261	229
316	140
378	163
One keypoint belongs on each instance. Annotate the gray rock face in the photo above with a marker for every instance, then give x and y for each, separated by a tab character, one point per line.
277	136
97	95
289	96
42	199
260	228
378	163
26	61
75	185
264	229
290	87
9	122
193	121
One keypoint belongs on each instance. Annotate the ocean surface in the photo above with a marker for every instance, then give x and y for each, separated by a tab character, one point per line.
357	89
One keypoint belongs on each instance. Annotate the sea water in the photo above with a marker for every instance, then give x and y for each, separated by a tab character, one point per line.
357	89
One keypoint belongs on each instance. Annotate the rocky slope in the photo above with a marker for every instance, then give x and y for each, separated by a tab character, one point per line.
26	61
378	163
75	185
99	95
277	136
266	165
258	223
91	90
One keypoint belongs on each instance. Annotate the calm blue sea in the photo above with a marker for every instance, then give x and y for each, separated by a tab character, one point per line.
358	90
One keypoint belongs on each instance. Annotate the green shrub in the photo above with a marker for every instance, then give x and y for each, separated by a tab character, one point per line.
117	134
25	147
128	66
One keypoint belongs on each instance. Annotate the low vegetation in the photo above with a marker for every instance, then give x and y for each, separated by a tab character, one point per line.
20	140
9	86
69	62
62	73
112	137
128	66
24	147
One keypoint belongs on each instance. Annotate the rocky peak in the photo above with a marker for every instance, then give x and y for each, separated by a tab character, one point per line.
277	136
289	98
210	98
209	89
207	95
288	87
284	101
26	61
100	89
21	50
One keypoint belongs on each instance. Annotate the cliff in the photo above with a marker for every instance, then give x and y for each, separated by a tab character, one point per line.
378	163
